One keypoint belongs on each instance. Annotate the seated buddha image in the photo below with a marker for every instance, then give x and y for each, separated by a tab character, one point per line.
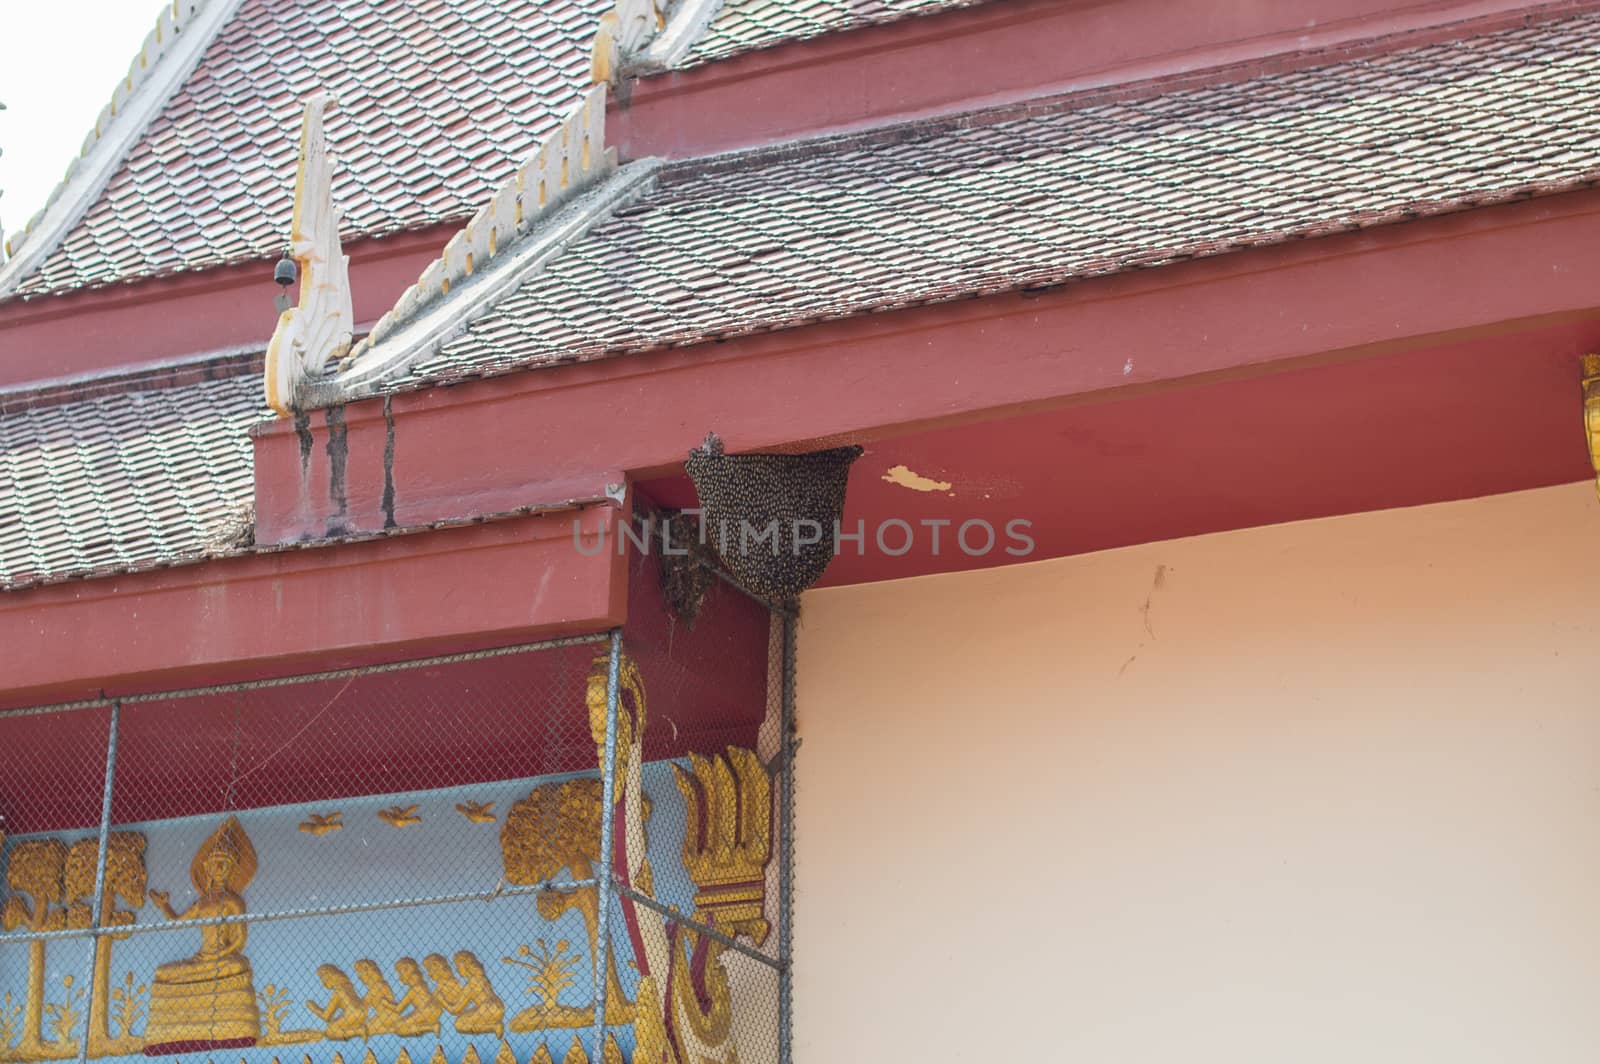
208	1000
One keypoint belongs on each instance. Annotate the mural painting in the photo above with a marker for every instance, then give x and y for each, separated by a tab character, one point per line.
405	972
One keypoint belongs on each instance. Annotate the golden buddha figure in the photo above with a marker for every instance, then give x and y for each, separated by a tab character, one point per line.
208	1000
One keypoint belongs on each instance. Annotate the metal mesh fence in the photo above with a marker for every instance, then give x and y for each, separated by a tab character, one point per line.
413	863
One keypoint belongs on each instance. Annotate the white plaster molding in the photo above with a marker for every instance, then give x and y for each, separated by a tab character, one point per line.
621	34
422	334
169	54
637	22
685	26
319	328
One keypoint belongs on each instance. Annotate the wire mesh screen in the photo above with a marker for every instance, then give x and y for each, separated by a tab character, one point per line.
411	863
701	884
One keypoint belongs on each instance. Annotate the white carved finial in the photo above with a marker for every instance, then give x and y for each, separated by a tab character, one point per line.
637	22
317	331
622	34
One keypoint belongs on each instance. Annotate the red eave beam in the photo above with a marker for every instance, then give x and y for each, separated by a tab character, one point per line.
164	319
488	445
314	608
998	53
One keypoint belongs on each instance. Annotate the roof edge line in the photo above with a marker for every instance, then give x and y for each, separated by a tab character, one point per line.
480	293
1389	218
97	383
156	73
226	553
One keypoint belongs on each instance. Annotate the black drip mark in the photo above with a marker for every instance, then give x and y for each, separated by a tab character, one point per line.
388	463
302	429
338	451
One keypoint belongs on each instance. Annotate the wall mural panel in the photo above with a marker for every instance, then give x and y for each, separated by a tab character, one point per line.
210	964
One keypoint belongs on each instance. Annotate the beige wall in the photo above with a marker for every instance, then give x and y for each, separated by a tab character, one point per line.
1317	792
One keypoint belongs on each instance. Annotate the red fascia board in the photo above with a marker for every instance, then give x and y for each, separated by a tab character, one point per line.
158	320
487	444
1000	53
320	607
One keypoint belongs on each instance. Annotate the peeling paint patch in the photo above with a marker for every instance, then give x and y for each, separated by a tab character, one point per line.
907	479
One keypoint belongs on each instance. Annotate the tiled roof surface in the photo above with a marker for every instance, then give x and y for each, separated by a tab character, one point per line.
781	239
745	25
123	481
440	101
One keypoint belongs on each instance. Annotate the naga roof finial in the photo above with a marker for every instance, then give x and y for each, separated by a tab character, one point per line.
622	33
317	331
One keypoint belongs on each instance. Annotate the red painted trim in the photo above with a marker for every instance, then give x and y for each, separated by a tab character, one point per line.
166	1048
485	719
556	433
293	611
1000	53
46	338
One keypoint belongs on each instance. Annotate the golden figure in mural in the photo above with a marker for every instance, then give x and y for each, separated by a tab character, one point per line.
556	827
383	1012
728	840
473	1002
125	879
345	1013
400	816
551	970
477	812
209	998
683	1013
35	879
419	1006
320	824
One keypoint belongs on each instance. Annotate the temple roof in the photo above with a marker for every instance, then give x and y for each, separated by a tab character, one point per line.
1038	195
125	480
745	25
438	104
1053	193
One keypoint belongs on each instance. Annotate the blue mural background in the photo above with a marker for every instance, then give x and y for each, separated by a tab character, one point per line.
370	861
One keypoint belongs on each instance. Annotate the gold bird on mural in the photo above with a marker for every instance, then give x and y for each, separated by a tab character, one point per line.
400	818
322	823
477	812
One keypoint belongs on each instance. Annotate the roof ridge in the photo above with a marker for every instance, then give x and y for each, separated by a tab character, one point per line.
169	52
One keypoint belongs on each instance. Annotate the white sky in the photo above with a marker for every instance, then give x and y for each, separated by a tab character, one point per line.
62	58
